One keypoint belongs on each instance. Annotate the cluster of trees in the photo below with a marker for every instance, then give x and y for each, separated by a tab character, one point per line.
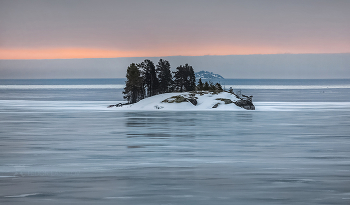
209	86
145	79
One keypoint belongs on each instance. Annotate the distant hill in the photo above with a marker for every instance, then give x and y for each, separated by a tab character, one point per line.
208	75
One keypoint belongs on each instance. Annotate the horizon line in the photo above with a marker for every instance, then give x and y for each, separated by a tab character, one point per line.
196	72
257	54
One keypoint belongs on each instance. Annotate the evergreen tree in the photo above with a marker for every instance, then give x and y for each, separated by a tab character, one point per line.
218	87
164	76
211	86
206	86
179	78
230	90
150	80
184	78
133	91
200	84
191	79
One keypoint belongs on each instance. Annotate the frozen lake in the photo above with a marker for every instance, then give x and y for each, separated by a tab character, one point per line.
55	151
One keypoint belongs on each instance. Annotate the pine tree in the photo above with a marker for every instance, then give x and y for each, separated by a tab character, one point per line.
164	76
200	84
179	78
206	86
191	78
133	91
212	86
218	87
184	78
230	90
150	80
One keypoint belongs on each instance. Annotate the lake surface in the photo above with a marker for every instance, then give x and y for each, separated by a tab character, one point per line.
60	144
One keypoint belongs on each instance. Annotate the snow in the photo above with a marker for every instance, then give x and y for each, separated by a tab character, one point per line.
204	102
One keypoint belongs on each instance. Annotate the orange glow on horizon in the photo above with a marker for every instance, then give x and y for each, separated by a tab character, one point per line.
74	53
59	53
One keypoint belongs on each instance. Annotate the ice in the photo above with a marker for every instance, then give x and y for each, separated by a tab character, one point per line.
35	87
22	195
288	87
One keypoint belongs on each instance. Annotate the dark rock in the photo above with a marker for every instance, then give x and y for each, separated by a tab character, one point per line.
249	107
180	99
176	99
216	105
225	100
193	101
246	104
118	105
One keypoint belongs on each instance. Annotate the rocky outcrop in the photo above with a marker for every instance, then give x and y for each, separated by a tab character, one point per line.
226	101
216	105
245	102
180	98
193	101
118	105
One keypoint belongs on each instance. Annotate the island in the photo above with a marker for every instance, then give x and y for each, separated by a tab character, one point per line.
204	75
150	87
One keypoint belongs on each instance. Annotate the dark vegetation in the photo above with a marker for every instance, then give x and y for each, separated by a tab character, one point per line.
146	80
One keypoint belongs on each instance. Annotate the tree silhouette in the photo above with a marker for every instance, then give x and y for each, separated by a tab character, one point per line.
164	76
133	91
184	78
150	80
200	85
206	86
218	87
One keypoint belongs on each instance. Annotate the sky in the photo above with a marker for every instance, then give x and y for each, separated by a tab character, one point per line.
103	29
276	66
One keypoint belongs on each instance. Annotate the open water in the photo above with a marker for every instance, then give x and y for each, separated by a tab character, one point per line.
60	144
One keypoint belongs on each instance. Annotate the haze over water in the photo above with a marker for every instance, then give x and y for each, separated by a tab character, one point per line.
60	144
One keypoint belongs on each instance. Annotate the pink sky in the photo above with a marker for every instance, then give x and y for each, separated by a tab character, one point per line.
109	29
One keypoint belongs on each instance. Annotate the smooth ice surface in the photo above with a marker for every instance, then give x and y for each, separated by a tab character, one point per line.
66	147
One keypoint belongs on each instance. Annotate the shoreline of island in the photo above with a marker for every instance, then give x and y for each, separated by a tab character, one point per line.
194	100
150	86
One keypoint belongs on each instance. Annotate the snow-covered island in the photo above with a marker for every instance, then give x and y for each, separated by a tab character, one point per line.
197	100
150	87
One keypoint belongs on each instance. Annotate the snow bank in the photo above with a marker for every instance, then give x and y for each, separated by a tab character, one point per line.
204	102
